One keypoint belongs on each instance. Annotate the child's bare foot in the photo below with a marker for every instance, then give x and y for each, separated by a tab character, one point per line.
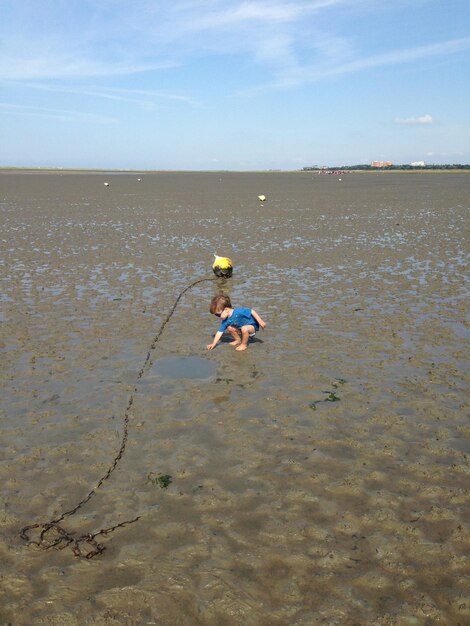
236	342
242	347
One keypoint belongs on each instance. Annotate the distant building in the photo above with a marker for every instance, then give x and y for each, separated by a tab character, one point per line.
418	164
381	164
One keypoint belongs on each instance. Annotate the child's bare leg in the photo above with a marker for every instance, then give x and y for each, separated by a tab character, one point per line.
235	335
246	332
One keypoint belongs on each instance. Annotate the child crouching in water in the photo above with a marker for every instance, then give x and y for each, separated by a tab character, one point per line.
241	323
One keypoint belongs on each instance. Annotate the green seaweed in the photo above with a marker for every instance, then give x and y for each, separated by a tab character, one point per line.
332	397
160	480
164	480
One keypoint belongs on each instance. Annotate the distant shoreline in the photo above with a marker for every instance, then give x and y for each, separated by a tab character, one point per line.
78	170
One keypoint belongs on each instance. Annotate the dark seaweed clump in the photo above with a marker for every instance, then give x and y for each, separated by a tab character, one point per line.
159	480
331	395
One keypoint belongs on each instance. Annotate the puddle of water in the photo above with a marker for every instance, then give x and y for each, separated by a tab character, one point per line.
193	367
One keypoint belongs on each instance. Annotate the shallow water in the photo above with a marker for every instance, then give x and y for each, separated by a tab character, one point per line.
286	505
180	367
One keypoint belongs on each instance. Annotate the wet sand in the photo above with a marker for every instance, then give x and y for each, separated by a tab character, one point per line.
320	477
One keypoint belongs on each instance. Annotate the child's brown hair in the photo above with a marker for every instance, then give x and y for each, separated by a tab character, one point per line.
220	302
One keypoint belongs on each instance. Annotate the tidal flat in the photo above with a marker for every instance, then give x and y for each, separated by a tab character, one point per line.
320	477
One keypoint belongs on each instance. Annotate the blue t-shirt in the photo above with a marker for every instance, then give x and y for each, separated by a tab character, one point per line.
240	317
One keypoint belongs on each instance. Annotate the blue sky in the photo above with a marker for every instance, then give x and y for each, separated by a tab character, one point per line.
231	84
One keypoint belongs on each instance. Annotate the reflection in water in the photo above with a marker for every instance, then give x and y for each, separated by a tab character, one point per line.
192	367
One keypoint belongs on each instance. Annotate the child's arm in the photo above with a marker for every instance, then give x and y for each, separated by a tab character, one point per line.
261	322
217	338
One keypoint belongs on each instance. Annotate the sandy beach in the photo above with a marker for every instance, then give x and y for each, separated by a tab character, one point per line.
320	477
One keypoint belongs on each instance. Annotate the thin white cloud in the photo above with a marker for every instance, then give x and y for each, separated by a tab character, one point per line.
59	114
60	65
276	33
318	72
244	13
415	121
152	94
101	38
407	55
287	39
194	16
113	93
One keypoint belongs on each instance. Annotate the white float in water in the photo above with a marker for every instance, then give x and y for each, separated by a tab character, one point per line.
106	184
262	198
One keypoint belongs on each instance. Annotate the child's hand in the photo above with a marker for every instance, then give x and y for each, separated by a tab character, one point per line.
210	346
262	325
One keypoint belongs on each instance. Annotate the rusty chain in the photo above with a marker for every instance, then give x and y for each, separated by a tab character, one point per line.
52	534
